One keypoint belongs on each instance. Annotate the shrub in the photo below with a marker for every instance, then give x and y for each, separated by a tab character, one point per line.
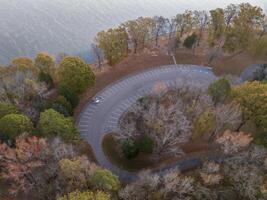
45	77
190	41
76	74
69	94
60	108
146	144
259	47
261	139
130	149
252	97
60	105
13	125
220	90
87	195
6	109
43	105
52	123
64	102
205	124
104	179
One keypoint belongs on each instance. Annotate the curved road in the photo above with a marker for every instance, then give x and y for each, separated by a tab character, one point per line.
98	119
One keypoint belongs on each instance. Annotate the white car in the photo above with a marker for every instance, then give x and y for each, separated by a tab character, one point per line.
96	100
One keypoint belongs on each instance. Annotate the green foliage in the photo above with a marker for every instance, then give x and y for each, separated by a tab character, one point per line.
24	64
146	144
64	102
75	74
60	108
252	97
261	139
13	125
205	124
52	123
130	149
105	180
220	90
139	32
244	29
45	63
45	77
69	94
190	41
87	195
184	23
114	44
60	104
6	109
70	168
258	48
217	25
117	158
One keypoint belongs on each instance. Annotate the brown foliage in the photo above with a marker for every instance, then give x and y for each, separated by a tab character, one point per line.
232	142
18	163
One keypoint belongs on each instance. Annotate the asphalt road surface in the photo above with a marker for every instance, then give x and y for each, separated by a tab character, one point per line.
98	119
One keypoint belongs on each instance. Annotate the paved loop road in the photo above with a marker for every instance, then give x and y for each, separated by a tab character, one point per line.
96	120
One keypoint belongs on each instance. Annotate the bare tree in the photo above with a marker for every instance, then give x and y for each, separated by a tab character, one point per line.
139	32
143	188
175	184
171	27
227	116
184	23
159	28
168	127
201	19
229	13
98	54
264	26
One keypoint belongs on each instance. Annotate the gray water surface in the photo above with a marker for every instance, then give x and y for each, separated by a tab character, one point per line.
30	26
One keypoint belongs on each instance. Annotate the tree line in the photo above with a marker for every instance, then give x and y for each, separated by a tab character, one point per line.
234	29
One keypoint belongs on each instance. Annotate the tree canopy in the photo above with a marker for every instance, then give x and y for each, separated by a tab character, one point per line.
75	74
6	109
252	96
114	43
104	179
52	123
12	125
87	195
45	63
245	28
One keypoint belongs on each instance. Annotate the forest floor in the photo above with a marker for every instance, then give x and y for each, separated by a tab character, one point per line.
192	148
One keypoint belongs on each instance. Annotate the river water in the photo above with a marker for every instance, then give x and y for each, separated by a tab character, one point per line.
55	26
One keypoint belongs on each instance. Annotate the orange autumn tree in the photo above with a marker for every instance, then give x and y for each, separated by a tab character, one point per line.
17	164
